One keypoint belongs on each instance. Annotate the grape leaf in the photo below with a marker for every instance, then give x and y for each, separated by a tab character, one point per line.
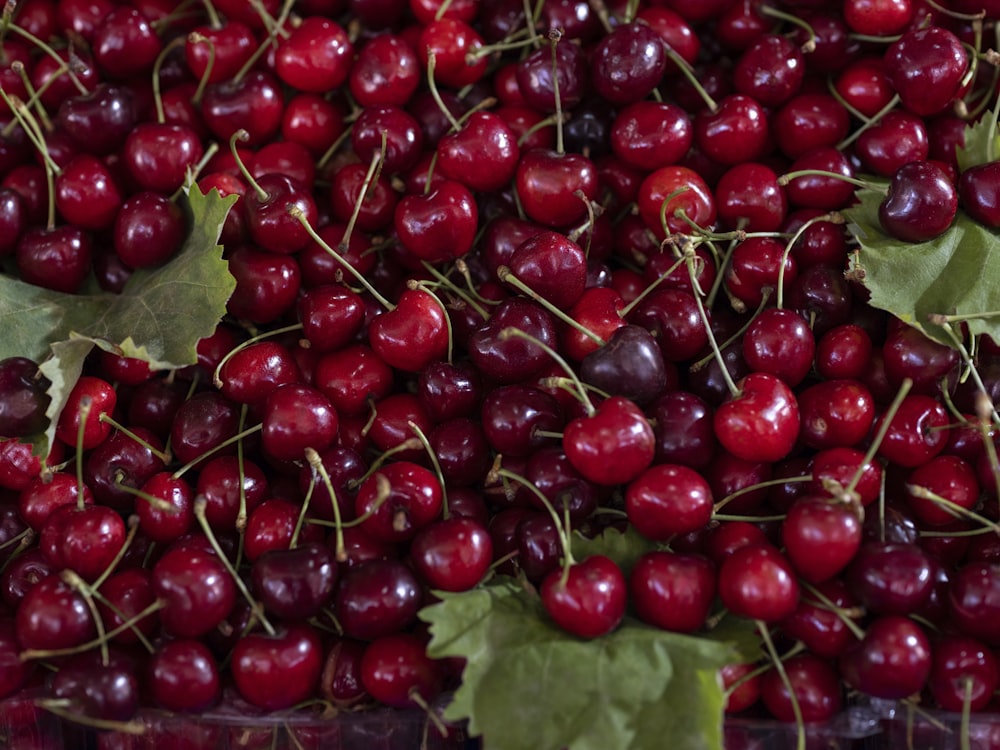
624	547
981	143
159	317
953	274
528	685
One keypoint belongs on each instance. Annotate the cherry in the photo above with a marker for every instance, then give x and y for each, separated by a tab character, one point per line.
182	675
125	43
748	195
630	364
920	204
513	359
673	591
401	498
439	226
130	592
835	413
770	70
898	138
810	121
316	56
668	499
396	670
672	316
822	629
892	661
86	424
377	597
23	398
974	594
278	671
733	131
821	537
158	155
83	539
756	581
295	584
563	65
196	588
675	192
948	477
741	428
780	342
98	689
553	187
628	63
452	554
915	433
254	103
53	615
16	672
460	154
812	681
926	67
682	423
891	578
587	600
148	230
296	417
613	445
59	258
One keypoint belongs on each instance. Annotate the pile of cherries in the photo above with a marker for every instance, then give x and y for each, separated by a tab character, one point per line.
499	279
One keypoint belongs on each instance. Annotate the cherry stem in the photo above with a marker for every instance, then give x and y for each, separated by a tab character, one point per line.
887	418
108	419
834	217
216	448
765	297
807	46
133	529
964	723
954	509
530	16
828	604
759	486
432	718
685	68
127	624
581	394
243	136
35	134
784	179
297	213
334	148
27	538
216	374
255	606
408	444
71	578
592	214
436	95
104	725
415	285
300	520
34	96
157	66
734	391
945	322
603	14
275	28
318	469
868	122
554	36
196	37
415	429
85	405
7	23
800	726
213	16
507	277
463	268
561	527
452	287
241	514
557	120
371	176
567	385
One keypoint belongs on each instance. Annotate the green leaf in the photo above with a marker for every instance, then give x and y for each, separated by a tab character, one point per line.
159	317
981	143
624	547
528	685
953	274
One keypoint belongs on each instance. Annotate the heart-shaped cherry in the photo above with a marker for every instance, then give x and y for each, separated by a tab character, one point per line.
588	599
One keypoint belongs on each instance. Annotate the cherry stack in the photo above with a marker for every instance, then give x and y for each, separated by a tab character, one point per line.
507	275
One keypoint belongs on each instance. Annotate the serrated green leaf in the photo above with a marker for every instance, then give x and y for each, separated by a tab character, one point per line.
624	547
981	143
953	274
162	313
159	317
62	368
528	685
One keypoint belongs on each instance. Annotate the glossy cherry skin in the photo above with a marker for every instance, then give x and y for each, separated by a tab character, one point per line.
744	431
548	184
668	499
758	582
183	676
630	364
53	615
295	418
979	193
278	671
963	674
295	584
628	63
920	204
821	537
671	191
672	590
590	602
612	446
377	597
892	661
973	598
927	67
197	590
439	226
452	554
396	668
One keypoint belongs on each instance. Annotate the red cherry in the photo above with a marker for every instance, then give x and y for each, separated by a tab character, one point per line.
590	602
